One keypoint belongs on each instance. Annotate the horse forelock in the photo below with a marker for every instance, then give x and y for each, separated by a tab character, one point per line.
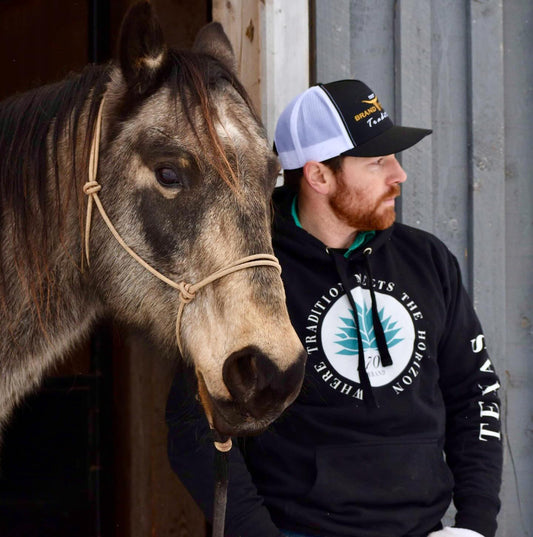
193	80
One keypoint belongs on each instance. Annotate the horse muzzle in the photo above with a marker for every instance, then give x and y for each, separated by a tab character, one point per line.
259	392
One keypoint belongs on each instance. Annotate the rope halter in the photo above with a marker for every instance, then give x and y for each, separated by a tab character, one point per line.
187	291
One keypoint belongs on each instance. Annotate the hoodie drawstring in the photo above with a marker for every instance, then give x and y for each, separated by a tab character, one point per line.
381	341
368	395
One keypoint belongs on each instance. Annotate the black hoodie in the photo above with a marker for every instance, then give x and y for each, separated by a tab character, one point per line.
360	453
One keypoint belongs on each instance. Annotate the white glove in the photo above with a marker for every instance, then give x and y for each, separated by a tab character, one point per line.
454	532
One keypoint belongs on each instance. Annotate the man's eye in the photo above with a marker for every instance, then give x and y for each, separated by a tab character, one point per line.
168	177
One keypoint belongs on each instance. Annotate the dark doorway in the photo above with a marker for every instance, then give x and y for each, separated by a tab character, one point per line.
70	455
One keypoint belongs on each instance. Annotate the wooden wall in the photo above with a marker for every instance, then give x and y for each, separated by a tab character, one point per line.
462	68
271	43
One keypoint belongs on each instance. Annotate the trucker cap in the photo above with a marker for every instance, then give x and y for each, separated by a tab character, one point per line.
339	118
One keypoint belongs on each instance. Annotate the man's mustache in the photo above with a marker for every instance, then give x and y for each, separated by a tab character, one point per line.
393	192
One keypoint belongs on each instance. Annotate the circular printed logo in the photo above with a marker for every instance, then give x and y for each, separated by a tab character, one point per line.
339	336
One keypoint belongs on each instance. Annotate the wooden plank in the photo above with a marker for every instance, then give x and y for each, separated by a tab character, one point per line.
285	55
241	22
488	174
450	123
487	250
372	48
517	516
354	39
271	39
413	107
332	39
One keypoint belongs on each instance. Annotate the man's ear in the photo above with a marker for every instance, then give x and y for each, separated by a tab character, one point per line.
318	176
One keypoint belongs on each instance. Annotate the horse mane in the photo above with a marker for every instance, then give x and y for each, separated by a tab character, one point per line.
32	127
34	124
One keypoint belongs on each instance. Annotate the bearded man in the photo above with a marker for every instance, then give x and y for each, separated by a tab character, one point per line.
399	412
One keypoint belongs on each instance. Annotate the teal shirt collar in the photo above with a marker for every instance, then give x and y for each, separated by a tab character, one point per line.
360	239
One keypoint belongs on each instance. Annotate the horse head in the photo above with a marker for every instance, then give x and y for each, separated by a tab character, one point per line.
186	175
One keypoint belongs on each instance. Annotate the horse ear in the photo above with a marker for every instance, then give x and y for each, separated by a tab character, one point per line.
212	40
143	53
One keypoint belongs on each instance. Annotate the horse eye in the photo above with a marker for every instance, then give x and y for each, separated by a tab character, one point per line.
168	177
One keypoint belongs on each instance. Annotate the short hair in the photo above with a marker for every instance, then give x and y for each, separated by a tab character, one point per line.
292	178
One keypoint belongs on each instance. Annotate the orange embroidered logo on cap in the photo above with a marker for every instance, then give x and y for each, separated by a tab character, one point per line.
375	107
374	101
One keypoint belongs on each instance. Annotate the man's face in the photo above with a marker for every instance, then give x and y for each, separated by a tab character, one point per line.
365	191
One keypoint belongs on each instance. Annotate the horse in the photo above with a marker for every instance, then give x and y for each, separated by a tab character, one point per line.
166	145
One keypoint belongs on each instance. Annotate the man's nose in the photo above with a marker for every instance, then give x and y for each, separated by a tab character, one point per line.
398	174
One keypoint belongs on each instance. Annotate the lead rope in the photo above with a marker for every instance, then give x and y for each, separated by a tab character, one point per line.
187	292
223	445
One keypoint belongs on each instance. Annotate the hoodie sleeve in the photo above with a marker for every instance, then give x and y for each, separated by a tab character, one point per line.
473	432
191	456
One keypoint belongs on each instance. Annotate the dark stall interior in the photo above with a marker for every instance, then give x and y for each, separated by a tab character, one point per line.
85	454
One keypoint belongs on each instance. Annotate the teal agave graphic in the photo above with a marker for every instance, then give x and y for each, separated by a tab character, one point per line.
347	337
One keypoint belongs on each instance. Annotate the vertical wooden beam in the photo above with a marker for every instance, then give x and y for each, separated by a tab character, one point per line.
450	123
333	51
372	48
271	42
285	56
487	169
241	22
413	107
517	517
488	255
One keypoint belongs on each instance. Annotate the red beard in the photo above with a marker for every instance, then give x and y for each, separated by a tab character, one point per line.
361	214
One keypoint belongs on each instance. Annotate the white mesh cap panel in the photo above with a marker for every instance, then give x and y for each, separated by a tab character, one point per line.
310	128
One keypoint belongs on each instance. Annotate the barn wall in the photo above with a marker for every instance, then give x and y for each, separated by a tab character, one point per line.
272	63
464	70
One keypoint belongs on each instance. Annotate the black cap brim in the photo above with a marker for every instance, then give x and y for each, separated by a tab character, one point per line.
391	141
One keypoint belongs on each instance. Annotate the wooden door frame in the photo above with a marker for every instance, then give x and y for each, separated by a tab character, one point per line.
271	43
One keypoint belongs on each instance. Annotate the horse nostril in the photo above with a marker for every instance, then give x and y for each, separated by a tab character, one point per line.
258	387
247	372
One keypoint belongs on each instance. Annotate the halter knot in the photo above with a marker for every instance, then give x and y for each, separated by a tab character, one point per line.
186	294
91	187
